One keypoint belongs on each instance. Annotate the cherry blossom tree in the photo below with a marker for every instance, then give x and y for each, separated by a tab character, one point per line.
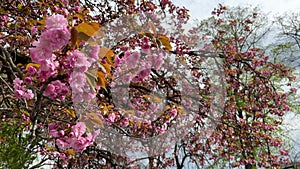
87	84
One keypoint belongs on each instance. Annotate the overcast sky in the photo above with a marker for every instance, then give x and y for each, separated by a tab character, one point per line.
200	9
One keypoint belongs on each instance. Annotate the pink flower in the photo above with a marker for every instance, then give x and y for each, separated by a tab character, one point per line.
44	74
173	112
89	94
126	78
146	48
93	52
38	53
77	81
17	83
50	91
124	122
28	80
284	152
55	38
80	144
31	70
33	30
126	55
48	65
29	94
162	129
91	137
82	63
52	126
59	87
72	57
111	118
53	130
142	75
64	142
55	89
157	61
20	91
56	21
132	59
79	129
117	61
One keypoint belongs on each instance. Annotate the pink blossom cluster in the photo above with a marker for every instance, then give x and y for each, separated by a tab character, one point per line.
138	66
54	37
77	139
82	91
56	90
111	118
20	91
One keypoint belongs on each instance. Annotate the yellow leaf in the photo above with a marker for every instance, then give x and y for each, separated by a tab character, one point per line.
71	112
19	6
50	148
70	152
89	126
80	16
104	109
42	22
146	96
110	107
33	65
88	28
100	32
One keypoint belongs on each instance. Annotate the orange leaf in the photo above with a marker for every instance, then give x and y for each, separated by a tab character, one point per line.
88	28
107	67
33	65
105	52
82	36
101	79
165	41
74	36
42	22
70	152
